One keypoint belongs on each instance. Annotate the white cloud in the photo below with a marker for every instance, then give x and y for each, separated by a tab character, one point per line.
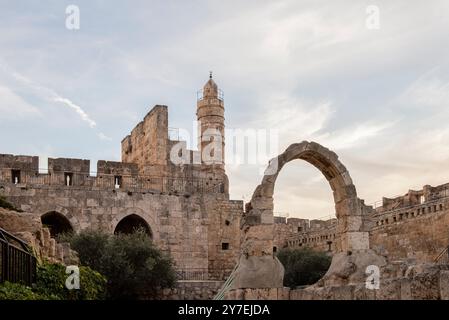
77	109
353	136
13	107
104	137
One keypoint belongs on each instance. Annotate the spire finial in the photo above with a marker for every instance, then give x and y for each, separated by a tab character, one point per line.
210	74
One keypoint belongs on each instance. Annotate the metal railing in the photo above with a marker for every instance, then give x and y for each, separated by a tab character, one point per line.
227	286
443	257
192	274
17	263
200	94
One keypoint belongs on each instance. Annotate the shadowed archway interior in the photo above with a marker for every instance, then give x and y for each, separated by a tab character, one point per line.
131	224
57	223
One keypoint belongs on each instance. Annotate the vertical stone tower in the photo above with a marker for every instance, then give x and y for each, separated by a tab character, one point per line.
210	115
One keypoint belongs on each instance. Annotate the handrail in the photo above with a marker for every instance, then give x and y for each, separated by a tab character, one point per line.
17	265
228	284
5	235
441	255
192	274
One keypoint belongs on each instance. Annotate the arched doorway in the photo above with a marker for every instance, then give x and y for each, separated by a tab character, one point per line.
131	224
57	223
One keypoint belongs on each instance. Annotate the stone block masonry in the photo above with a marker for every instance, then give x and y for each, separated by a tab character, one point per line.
412	227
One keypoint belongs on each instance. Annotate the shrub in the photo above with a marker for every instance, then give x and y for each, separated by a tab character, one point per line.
303	266
90	245
51	280
130	262
15	291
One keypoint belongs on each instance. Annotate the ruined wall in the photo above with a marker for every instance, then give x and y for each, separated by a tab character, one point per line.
146	146
295	233
421	282
28	228
413	227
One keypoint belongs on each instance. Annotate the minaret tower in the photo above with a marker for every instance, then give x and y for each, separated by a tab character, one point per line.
210	115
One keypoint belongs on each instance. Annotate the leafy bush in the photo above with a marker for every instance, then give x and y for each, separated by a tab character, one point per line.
303	266
51	281
50	285
130	262
15	291
89	244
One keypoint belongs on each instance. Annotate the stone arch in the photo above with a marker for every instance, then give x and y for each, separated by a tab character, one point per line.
132	222
259	268
57	223
348	206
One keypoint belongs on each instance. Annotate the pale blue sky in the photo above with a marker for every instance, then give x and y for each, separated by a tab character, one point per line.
312	69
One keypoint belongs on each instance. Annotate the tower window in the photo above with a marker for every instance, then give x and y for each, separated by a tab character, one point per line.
15	176
275	249
225	246
68	178
118	182
227	222
299	229
422	199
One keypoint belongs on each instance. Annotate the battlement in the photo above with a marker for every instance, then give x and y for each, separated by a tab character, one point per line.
23	171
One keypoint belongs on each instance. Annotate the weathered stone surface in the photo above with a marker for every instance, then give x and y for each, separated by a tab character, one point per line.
28	228
259	272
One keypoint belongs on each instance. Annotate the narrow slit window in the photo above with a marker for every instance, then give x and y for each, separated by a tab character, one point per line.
118	182
15	176
68	178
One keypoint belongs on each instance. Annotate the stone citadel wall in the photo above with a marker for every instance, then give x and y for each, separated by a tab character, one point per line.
184	207
414	227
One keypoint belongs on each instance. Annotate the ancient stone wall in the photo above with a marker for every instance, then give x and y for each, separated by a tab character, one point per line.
191	228
413	226
146	146
191	290
295	233
418	233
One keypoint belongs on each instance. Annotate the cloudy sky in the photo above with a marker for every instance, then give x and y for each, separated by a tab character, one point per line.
313	70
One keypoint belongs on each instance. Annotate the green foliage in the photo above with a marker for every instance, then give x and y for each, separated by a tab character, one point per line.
51	281
90	245
15	291
130	262
303	266
50	285
7	205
